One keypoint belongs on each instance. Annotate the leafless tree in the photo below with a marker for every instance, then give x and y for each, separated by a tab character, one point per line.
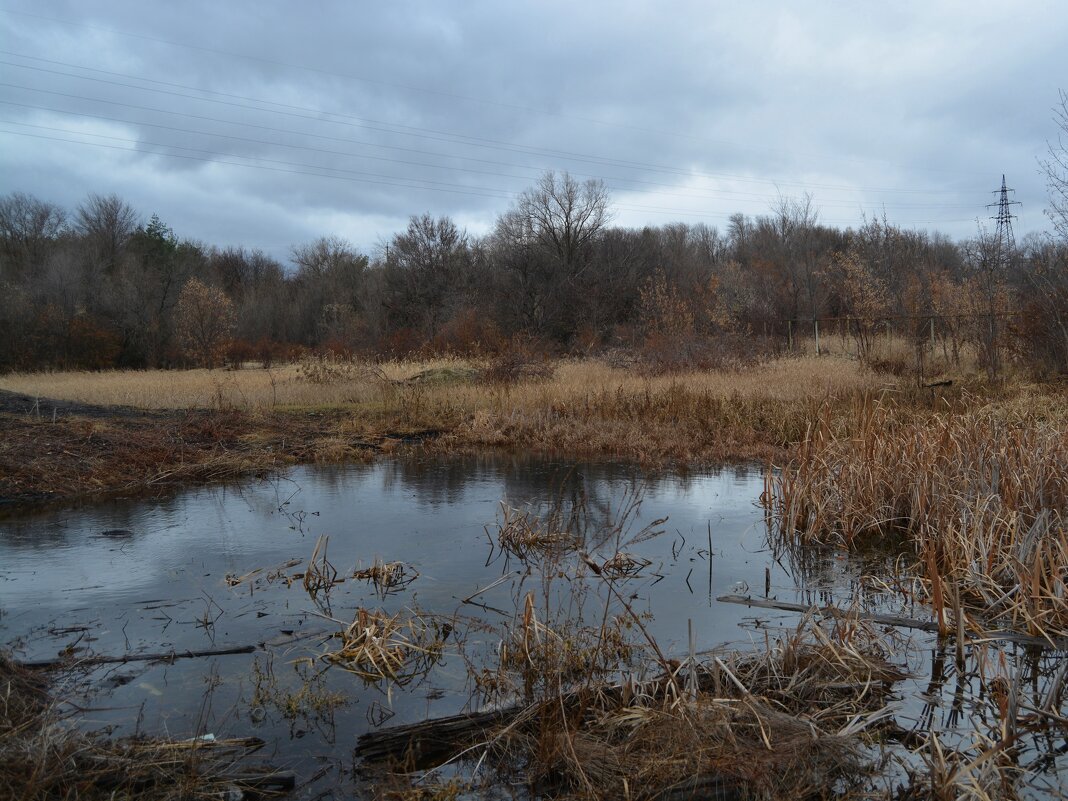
330	272
106	222
426	266
795	221
28	229
565	216
547	241
1056	169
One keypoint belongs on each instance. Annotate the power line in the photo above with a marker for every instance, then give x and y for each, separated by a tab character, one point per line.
424	90
449	137
329	172
238	164
720	194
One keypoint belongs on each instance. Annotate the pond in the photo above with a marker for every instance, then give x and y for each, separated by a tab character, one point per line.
213	568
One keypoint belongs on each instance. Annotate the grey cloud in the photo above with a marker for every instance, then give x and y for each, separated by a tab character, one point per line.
738	102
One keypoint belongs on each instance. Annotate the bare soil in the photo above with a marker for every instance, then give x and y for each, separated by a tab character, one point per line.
61	451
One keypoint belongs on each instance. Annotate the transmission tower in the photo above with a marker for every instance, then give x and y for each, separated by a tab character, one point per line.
1003	236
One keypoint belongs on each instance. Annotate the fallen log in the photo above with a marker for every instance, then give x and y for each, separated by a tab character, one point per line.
266	780
165	656
433	739
1059	644
428	742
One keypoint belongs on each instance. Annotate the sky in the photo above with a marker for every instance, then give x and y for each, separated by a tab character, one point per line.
269	124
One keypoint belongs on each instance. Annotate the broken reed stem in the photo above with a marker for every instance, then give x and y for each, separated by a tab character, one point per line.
979	497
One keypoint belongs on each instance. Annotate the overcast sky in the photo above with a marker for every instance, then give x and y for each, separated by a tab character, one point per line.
266	124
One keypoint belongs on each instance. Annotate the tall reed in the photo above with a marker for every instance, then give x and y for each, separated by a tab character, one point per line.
979	496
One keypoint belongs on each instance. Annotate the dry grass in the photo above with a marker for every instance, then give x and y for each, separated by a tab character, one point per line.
391	649
979	495
42	757
46	460
386	577
571	381
524	534
786	723
246	421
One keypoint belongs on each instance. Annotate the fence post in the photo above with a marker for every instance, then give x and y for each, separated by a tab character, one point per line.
790	334
816	328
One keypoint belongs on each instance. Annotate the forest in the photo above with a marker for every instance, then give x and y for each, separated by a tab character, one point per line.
101	286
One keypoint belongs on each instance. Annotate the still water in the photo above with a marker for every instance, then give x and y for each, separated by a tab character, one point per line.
147	576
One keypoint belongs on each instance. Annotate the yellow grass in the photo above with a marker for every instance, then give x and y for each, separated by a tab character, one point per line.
799	378
979	493
234	421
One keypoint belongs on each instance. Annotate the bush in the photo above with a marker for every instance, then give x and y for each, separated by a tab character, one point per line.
522	359
661	354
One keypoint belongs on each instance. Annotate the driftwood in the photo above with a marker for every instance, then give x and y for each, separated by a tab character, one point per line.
1059	644
165	656
430	743
267	780
434	739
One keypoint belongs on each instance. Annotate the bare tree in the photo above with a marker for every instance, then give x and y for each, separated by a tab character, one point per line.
28	229
795	221
107	222
425	267
1056	169
330	273
547	243
565	216
205	321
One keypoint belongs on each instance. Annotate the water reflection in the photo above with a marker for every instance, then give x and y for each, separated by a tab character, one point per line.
63	585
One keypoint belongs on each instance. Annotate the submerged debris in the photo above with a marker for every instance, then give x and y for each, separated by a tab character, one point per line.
623	565
377	646
786	723
42	757
387	577
525	535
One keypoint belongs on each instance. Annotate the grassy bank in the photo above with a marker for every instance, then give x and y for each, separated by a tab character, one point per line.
214	425
206	425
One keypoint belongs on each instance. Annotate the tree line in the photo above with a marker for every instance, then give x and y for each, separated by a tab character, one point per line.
100	287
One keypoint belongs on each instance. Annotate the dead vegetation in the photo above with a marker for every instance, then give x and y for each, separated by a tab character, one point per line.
785	723
977	495
392	649
523	534
235	423
43	757
386	577
42	459
587	706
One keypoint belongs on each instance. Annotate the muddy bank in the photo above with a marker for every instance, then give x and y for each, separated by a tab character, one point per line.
59	451
54	451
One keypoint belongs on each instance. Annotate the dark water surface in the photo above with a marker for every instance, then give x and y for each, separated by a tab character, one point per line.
150	576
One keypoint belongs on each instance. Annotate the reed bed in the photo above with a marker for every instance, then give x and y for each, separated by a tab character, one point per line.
790	722
220	425
522	533
978	497
451	381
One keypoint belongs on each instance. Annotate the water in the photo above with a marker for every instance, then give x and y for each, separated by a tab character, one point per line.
157	581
